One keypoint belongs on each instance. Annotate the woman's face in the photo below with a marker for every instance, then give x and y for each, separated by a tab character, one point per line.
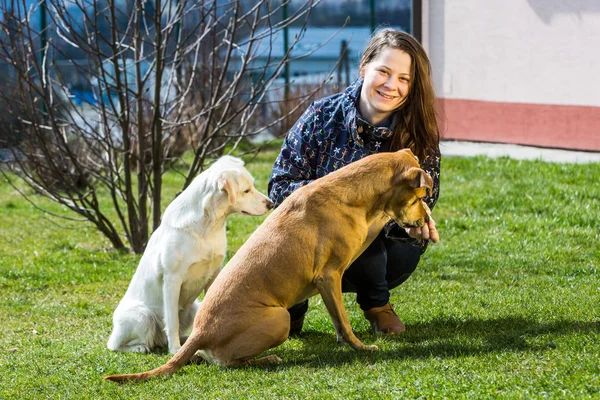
386	84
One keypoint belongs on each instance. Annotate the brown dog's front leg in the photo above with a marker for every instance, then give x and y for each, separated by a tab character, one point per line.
330	289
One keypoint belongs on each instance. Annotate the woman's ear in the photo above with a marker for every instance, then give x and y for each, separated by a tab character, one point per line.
363	66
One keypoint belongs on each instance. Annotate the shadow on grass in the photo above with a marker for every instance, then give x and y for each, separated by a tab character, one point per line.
439	338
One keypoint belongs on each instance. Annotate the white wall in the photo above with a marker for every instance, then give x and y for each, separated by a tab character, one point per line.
520	51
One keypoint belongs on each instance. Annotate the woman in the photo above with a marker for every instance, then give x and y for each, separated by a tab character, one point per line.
390	107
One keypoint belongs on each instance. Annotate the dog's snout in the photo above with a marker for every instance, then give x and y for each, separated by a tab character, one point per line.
270	203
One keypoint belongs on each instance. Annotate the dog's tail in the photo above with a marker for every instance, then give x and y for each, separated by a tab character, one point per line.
182	357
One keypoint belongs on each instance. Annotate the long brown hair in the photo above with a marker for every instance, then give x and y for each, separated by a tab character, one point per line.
417	126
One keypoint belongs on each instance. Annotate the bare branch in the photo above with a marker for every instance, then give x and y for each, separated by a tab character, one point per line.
123	89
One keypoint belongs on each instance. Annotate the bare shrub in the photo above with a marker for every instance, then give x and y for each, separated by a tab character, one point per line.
167	76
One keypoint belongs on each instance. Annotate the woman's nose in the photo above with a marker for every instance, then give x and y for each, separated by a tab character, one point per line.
389	83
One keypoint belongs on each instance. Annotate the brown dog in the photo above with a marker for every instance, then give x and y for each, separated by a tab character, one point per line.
301	249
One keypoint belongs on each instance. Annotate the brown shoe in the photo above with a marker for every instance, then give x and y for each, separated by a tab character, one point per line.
384	320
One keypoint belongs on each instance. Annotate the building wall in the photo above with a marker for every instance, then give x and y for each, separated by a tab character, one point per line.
517	71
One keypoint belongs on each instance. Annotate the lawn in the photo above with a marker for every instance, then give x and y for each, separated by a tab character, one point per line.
507	305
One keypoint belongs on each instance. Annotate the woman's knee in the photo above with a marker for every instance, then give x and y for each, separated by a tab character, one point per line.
369	267
403	259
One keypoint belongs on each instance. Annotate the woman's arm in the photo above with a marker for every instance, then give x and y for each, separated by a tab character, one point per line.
296	164
431	165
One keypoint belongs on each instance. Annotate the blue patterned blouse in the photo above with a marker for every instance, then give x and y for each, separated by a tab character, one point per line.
329	135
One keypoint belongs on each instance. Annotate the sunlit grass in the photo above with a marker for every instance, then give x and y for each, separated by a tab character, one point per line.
507	305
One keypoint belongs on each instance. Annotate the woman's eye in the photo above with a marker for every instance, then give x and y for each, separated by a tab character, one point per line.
383	72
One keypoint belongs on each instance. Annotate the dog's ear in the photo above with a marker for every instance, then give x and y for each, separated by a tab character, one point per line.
417	178
226	183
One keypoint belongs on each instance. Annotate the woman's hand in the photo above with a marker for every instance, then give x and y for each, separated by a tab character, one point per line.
427	231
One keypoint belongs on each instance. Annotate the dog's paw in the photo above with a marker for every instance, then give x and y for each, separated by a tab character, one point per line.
272	359
140	348
362	346
370	347
262	361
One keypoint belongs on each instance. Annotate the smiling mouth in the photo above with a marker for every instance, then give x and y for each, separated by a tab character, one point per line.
385	96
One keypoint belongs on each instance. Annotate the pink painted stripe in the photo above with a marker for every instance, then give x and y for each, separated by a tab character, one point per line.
543	125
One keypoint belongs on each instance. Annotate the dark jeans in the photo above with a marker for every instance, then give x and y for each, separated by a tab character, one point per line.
384	265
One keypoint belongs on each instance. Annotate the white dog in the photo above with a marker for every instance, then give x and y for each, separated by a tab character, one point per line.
182	258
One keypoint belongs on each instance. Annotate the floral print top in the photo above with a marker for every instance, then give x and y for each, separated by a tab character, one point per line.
329	135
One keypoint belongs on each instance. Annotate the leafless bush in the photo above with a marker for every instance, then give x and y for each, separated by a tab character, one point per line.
166	76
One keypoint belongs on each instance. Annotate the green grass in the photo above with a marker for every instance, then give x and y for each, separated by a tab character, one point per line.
507	305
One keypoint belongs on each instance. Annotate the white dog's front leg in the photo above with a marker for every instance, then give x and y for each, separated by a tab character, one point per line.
171	289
